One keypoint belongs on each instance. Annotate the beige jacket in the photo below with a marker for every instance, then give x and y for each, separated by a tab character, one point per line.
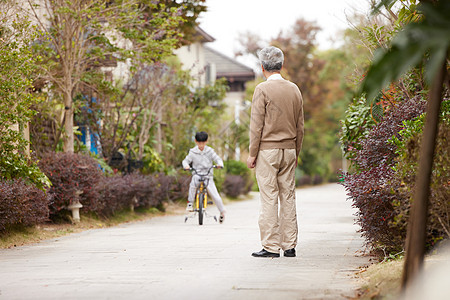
276	117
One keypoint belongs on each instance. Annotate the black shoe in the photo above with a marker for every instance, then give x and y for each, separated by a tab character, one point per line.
290	253
265	253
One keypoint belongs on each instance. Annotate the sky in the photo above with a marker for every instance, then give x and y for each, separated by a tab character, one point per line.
225	20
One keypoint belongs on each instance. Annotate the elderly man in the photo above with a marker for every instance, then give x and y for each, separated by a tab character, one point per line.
276	135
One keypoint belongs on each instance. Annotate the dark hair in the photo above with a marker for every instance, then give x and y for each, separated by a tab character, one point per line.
201	136
272	67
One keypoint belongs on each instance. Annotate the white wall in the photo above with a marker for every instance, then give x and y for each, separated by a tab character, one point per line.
192	58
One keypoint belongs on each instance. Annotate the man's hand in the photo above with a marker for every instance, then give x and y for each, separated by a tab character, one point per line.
251	162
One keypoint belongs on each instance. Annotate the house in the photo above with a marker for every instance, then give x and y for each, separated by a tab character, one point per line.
234	72
206	65
192	57
237	75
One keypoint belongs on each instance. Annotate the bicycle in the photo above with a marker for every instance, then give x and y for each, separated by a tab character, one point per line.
201	196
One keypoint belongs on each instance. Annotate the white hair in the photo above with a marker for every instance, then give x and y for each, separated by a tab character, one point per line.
271	58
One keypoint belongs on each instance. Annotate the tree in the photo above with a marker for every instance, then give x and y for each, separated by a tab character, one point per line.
302	65
80	36
126	116
155	113
191	111
426	42
16	96
189	10
324	89
155	84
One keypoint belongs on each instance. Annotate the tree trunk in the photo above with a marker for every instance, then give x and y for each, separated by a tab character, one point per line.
68	123
159	131
417	225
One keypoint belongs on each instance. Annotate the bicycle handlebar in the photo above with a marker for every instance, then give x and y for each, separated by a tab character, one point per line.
194	171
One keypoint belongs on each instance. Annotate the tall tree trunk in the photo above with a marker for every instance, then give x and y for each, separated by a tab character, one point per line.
68	123
159	130
417	225
68	62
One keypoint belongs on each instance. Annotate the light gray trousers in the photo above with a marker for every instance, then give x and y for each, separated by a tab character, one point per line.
212	192
275	173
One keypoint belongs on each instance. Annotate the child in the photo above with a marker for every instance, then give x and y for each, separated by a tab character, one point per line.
201	158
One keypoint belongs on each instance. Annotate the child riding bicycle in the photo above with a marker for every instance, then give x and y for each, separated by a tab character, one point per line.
201	158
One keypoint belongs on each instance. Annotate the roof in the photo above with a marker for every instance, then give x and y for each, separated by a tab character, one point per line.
202	35
228	67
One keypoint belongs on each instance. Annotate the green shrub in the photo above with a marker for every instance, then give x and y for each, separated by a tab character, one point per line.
408	144
235	167
17	71
355	127
219	179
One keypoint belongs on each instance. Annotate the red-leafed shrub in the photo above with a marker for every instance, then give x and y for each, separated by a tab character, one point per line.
317	179
234	185
145	189
22	203
374	186
115	194
151	191
71	172
180	187
136	190
303	180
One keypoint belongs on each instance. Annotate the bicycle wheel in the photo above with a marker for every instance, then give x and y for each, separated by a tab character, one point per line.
201	198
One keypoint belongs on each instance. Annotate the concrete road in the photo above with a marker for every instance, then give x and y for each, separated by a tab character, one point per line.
165	258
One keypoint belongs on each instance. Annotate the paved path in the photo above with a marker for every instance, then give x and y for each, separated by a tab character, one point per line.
165	258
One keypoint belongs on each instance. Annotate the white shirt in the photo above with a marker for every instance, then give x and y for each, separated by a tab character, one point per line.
275	76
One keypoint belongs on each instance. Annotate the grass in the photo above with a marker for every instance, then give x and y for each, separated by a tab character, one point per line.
382	280
22	235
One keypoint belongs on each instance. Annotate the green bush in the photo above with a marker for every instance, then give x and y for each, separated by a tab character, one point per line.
219	179
408	144
17	68
355	127
235	167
